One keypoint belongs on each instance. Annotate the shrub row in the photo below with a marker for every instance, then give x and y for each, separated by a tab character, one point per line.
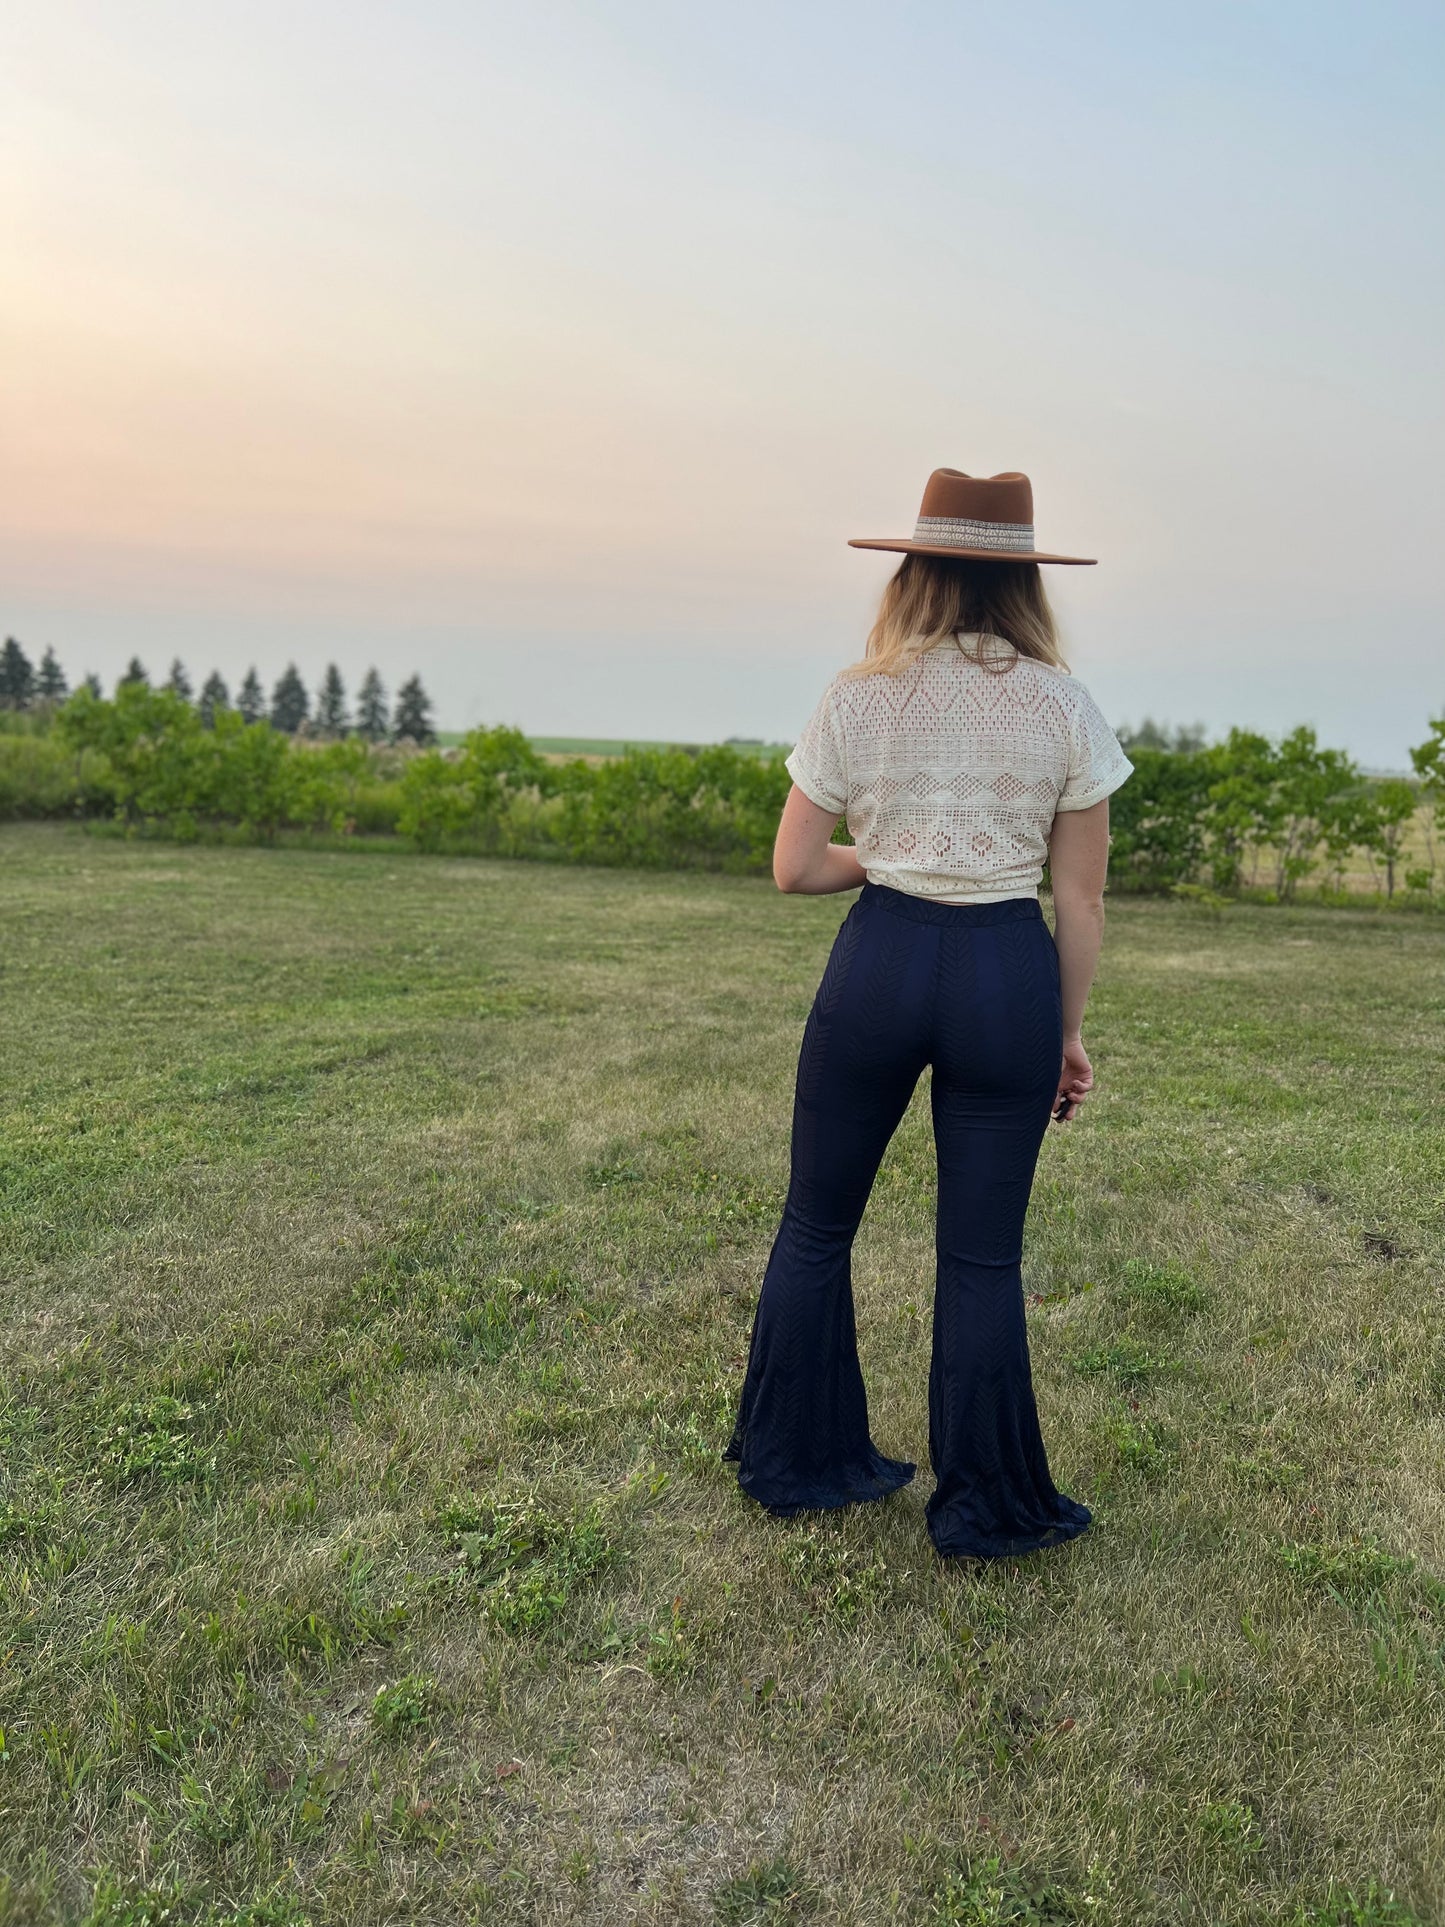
1244	812
1249	811
651	808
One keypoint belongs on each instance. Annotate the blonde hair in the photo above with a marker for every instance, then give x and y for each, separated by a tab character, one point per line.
932	598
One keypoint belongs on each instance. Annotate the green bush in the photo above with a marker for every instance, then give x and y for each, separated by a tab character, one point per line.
1157	820
42	776
672	809
482	798
376	808
653	808
167	768
1191	822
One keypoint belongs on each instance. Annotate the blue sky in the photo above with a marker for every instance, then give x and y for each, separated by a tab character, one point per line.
555	350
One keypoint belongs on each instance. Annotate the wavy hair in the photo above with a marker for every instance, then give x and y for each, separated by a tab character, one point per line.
932	599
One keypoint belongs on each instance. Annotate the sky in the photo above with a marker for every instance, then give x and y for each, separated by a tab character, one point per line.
553	350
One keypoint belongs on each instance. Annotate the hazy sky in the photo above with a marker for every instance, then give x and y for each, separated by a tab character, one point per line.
554	350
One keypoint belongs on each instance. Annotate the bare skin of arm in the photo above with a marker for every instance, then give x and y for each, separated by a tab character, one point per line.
805	862
1078	864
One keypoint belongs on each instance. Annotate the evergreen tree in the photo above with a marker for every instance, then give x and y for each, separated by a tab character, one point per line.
289	701
331	703
135	672
214	696
178	681
412	721
50	683
91	682
372	718
17	676
252	700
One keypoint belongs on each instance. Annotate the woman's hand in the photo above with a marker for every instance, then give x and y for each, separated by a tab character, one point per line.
1076	1079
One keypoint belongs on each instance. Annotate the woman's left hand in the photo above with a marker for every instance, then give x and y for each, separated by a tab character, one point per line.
1076	1080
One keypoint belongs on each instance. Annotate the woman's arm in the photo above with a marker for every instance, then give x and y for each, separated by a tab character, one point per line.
1078	864
805	862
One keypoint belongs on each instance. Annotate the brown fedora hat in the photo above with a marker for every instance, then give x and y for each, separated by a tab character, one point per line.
991	520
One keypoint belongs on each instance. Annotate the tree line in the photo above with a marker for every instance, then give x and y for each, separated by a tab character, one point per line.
290	708
1245	816
1254	814
1250	815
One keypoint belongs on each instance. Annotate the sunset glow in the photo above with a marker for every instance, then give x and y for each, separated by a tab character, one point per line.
512	344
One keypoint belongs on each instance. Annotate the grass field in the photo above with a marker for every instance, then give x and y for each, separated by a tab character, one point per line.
597	749
380	1243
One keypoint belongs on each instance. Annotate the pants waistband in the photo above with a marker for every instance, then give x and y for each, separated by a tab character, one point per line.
898	903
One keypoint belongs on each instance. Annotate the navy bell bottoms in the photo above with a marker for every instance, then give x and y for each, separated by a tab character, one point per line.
973	990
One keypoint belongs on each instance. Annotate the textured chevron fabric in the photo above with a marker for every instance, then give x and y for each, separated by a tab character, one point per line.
973	990
950	774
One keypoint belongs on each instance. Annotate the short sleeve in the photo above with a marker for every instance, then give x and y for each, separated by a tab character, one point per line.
819	763
1097	763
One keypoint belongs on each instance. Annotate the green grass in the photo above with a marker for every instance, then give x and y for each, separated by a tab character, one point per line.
379	1245
605	747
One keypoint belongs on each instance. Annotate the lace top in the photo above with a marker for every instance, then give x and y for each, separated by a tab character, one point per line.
951	773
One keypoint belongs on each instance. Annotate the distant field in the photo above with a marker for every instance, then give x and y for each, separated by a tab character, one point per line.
603	747
380	1243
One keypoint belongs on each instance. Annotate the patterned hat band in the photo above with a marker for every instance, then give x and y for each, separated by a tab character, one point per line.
946	531
991	517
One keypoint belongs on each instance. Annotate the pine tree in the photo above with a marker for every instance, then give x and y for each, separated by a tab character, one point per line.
135	672
91	682
372	718
50	683
214	696
412	722
252	700
178	682
17	677
289	701
331	703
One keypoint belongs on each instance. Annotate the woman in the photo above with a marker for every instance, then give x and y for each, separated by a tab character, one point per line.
964	757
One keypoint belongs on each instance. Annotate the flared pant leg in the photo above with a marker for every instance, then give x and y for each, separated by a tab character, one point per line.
802	1437
997	1049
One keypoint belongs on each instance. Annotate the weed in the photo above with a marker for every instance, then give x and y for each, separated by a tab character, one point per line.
1141	1444
524	1562
686	1438
152	1438
116	1903
1267	1475
32	1523
1353	1572
119	1903
404	1707
848	1582
616	1171
1233	1824
1343	1907
989	1894
1186	1682
729	1200
774	1890
671	1650
1166	1287
1127	1361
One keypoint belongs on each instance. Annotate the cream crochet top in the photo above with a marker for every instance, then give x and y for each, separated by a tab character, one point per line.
951	773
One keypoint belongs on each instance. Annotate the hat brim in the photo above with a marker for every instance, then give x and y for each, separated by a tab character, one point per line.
901	547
